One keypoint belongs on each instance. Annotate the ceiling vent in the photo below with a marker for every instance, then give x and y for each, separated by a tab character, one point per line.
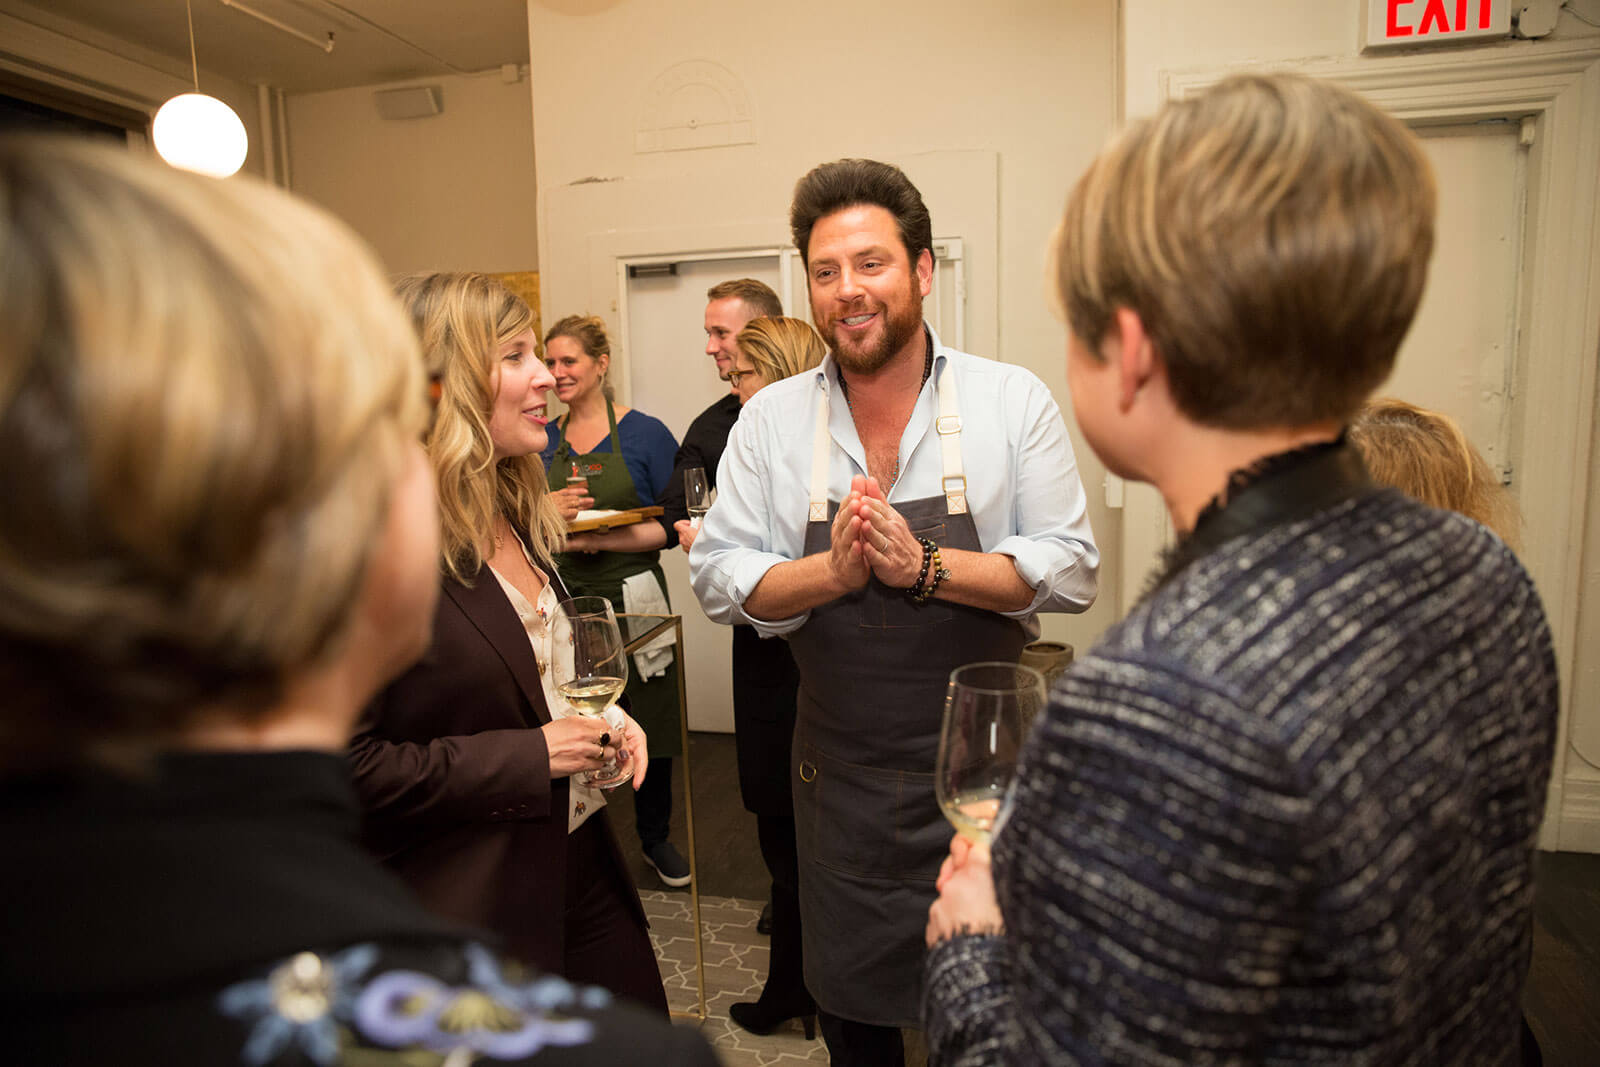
416	102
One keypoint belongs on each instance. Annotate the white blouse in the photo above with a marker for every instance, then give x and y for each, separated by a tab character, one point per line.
584	800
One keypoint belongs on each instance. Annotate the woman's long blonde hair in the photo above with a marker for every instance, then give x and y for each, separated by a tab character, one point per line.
1425	455
462	319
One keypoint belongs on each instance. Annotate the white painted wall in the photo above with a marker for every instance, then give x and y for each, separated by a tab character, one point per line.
1024	88
1172	39
49	48
454	191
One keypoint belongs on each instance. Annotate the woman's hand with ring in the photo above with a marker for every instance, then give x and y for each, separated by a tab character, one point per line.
575	744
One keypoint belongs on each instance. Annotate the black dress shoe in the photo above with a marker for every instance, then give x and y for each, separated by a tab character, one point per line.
764	924
759	1019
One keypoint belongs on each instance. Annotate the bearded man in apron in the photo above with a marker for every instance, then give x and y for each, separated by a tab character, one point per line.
901	511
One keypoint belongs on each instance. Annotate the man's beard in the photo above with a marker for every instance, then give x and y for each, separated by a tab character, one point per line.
899	326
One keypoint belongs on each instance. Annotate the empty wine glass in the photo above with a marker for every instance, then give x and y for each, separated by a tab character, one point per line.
988	710
696	494
591	671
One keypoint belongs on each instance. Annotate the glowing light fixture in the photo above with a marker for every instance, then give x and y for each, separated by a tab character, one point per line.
198	132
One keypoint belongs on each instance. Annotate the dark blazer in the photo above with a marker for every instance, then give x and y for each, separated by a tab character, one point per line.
454	777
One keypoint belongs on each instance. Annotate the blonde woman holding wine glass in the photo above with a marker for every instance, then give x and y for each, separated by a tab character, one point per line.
468	764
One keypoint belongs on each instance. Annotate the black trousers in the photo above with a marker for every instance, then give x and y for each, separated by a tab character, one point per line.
606	942
652	802
853	1044
785	990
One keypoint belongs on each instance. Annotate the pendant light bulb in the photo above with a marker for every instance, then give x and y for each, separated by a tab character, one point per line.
200	133
196	132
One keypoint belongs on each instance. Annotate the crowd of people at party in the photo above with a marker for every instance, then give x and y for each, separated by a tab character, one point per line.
287	776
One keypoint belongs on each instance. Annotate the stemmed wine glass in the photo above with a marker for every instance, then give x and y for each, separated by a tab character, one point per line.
988	710
696	495
591	670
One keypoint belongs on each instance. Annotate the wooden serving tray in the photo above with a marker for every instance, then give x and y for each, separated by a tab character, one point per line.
611	521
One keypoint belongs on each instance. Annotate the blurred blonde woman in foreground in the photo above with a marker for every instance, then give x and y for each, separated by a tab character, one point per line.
218	540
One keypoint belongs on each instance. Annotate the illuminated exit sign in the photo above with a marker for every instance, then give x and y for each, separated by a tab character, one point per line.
1421	22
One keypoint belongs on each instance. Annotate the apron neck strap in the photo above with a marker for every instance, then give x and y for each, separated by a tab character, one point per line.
566	441
611	417
954	481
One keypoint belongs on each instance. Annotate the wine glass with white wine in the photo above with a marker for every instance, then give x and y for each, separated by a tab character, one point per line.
696	494
594	674
989	709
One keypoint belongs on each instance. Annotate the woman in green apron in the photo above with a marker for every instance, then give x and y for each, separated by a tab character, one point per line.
622	458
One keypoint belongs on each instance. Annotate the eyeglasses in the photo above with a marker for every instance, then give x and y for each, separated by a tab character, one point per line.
737	376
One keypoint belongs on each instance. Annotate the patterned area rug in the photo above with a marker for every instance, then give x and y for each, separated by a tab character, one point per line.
736	968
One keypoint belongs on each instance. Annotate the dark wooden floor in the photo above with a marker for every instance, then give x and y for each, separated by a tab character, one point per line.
1563	991
728	857
1562	997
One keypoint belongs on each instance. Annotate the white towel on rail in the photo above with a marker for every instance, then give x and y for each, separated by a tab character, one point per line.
642	595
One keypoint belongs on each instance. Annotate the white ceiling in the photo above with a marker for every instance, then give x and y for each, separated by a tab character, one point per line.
444	36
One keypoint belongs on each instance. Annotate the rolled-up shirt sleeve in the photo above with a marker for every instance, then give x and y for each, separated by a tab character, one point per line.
1053	548
736	545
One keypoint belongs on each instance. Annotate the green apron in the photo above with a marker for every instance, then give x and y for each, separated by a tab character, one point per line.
654	704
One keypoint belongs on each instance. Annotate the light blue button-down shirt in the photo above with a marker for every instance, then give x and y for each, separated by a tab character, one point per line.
1023	489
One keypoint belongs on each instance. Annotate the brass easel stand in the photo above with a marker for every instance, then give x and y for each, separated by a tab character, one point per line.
676	622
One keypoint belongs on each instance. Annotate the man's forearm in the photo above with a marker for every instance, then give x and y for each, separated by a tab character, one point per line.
789	589
987	580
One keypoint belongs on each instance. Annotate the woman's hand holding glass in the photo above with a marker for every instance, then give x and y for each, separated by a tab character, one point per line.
966	903
575	745
988	714
571	500
591	669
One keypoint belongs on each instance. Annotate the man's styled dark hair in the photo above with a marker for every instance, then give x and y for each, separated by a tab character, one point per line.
850	182
757	296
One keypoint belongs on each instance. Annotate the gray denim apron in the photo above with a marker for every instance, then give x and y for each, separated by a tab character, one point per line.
874	667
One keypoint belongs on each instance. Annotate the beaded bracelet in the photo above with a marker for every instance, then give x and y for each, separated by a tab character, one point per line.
927	557
931	563
938	575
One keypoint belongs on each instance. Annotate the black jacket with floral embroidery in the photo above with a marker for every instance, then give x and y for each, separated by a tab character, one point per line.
217	910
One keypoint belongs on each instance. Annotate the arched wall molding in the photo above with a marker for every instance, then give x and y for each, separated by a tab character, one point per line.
694	104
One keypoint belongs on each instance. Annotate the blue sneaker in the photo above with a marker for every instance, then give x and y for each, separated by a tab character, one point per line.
668	863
